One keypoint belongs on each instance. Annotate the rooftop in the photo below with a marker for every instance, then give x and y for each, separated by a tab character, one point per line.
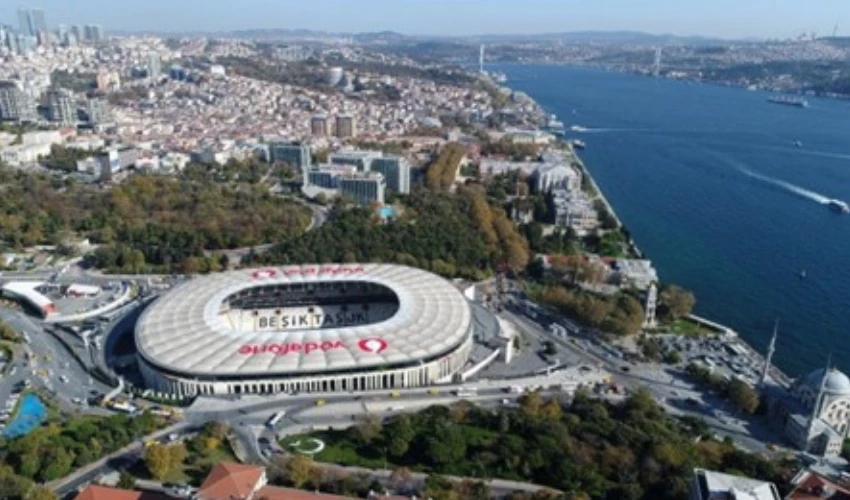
229	480
719	486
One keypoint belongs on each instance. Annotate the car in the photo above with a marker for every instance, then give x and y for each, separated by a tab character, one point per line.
625	368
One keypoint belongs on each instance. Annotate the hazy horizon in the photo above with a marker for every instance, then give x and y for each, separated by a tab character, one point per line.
718	19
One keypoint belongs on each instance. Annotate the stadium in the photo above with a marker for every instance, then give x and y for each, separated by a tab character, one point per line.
311	328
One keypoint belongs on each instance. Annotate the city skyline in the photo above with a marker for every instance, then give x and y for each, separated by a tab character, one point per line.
722	18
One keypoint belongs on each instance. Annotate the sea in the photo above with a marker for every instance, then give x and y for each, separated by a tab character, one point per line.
715	188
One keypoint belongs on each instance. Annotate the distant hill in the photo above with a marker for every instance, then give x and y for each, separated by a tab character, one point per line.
603	37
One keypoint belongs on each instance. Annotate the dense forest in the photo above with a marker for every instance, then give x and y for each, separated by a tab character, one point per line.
590	449
147	223
452	235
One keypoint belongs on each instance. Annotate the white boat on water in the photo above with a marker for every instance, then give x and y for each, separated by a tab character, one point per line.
838	206
579	144
578	128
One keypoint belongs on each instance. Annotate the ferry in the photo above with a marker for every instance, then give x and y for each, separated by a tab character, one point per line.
579	144
838	206
789	100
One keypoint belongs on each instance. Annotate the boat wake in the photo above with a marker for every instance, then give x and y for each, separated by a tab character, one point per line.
787	186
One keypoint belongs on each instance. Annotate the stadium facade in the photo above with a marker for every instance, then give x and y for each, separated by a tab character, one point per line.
310	328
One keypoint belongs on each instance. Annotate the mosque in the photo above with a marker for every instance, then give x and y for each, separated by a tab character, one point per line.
814	414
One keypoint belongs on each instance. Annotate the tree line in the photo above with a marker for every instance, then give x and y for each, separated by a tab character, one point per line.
590	449
454	236
440	174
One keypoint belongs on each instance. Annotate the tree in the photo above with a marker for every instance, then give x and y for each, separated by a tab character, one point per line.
743	396
675	302
126	481
41	493
673	358
400	478
530	404
400	433
299	470
158	460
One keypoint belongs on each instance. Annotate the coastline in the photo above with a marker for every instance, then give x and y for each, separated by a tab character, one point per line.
729	336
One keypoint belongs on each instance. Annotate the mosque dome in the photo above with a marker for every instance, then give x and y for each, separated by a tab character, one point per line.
836	382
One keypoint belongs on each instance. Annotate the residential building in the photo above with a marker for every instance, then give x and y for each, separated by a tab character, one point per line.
108	80
574	210
635	273
364	188
97	109
15	104
710	485
218	70
61	106
346	126
96	492
395	170
231	481
226	481
358	158
549	176
319	126
809	485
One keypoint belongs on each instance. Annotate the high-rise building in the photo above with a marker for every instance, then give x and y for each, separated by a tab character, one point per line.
319	126
358	158
154	65
15	104
78	33
97	110
334	76
364	188
93	33
25	26
61	106
296	154
38	21
395	170
346	126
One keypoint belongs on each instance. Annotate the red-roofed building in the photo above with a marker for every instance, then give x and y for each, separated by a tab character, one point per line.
95	492
232	481
810	485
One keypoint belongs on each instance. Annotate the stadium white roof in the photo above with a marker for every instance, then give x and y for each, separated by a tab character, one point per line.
184	332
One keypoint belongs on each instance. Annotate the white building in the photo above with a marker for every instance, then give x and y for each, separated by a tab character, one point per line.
710	485
556	176
574	210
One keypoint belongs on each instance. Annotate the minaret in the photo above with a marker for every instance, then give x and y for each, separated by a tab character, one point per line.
481	59
770	350
650	306
818	400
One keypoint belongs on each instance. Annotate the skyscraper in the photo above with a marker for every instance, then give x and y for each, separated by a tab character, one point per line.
25	26
154	65
38	21
61	106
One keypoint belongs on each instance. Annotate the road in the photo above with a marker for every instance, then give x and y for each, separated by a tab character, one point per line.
670	387
51	367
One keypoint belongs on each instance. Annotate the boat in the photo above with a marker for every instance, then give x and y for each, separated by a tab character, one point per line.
789	100
838	206
578	128
798	144
803	274
579	144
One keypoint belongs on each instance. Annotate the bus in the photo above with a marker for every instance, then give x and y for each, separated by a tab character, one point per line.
277	417
467	392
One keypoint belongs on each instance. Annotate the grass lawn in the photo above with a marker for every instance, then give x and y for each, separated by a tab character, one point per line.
338	449
689	328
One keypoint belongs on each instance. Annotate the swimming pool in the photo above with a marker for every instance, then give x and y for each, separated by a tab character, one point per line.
387	212
31	413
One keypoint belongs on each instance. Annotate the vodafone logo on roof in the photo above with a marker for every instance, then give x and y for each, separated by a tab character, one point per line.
374	345
264	274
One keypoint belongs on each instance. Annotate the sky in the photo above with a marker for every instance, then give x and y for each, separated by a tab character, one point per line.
720	18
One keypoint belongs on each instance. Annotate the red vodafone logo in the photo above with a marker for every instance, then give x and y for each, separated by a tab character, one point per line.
374	345
263	274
